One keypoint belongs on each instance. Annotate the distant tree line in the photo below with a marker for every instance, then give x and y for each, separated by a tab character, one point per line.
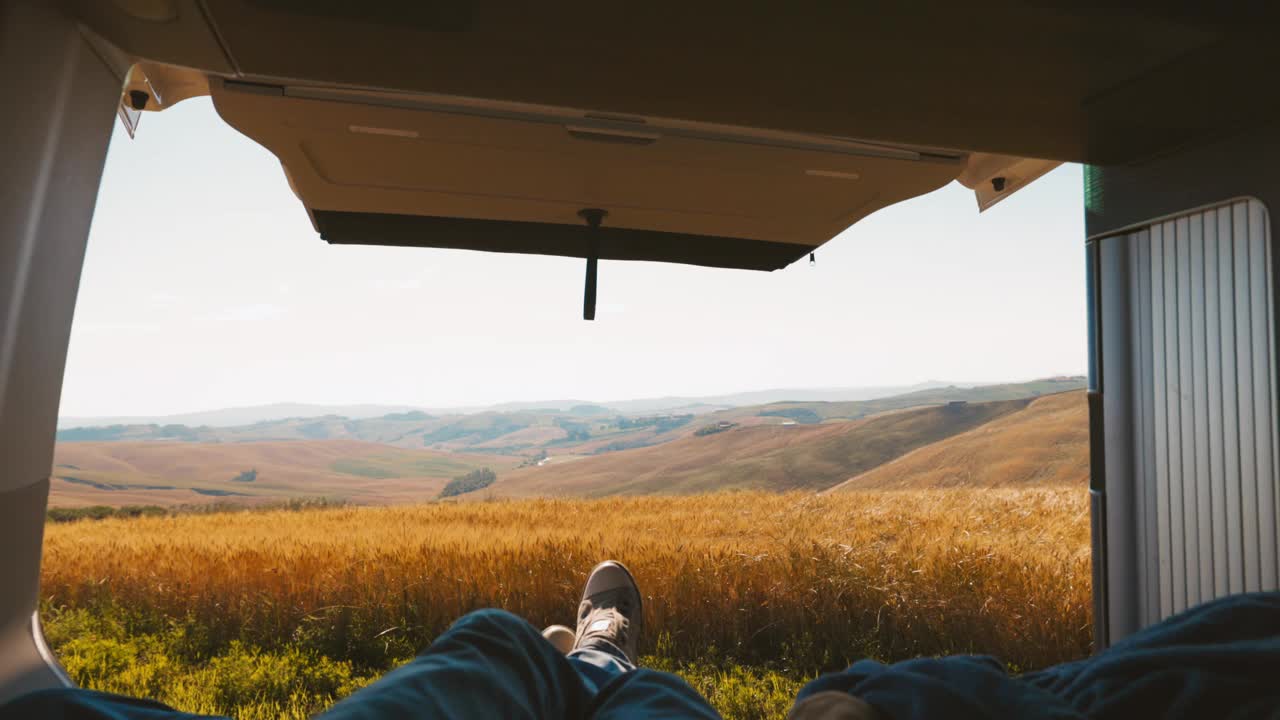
472	481
800	415
89	434
126	432
534	459
660	423
624	445
473	431
577	432
713	429
102	512
411	415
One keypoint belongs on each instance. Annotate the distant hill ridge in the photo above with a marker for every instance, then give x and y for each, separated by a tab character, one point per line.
231	417
579	429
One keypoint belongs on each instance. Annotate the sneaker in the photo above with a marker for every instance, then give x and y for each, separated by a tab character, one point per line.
561	637
610	613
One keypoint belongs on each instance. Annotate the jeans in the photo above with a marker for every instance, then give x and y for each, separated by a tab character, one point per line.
492	664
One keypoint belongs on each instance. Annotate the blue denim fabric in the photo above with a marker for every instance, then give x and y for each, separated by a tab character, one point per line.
490	664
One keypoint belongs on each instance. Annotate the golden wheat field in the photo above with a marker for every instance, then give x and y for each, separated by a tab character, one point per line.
815	581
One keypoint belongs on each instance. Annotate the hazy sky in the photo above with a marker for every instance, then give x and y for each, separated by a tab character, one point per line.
205	287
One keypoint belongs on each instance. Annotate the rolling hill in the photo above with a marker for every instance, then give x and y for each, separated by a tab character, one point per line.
171	473
1046	443
991	435
763	457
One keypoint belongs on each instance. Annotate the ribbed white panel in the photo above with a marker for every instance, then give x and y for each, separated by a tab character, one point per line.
1204	398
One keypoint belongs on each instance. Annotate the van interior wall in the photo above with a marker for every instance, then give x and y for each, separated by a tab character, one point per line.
55	144
1164	455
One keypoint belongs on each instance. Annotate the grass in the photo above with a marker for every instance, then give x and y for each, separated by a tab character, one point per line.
277	613
400	464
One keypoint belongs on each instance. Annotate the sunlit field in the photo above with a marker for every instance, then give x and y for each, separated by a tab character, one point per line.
278	613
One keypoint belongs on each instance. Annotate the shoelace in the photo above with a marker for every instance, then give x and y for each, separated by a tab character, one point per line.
619	626
616	604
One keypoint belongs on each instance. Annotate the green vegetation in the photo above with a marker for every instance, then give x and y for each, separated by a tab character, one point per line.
719	427
412	415
533	460
96	485
90	434
112	650
575	431
472	481
617	445
102	512
801	415
737	691
318	430
177	432
671	422
123	432
363	468
660	423
91	483
215	492
477	428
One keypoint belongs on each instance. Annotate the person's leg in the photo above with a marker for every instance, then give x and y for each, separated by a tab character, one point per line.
610	619
647	693
961	687
490	664
1217	659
